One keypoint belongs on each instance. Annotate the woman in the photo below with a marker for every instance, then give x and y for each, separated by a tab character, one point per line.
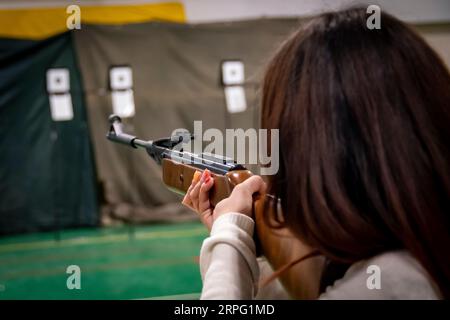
364	177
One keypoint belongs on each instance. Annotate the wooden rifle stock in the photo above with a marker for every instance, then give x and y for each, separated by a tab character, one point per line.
278	245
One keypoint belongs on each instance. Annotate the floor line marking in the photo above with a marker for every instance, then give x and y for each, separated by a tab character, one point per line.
47	244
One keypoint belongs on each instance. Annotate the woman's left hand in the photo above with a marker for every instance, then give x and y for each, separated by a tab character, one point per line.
240	200
197	197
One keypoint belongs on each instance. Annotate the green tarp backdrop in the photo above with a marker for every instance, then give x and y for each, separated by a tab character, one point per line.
47	178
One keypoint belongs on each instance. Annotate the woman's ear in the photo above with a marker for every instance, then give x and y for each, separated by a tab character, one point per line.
274	212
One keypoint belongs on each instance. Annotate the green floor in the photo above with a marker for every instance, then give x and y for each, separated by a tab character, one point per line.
116	263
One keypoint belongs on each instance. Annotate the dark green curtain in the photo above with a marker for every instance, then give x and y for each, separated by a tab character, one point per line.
47	177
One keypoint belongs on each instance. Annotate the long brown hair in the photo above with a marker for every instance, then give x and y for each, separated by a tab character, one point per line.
364	120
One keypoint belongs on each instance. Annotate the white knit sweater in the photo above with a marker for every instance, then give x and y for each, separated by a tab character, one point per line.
230	270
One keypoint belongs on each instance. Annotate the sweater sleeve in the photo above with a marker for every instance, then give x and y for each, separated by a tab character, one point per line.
228	264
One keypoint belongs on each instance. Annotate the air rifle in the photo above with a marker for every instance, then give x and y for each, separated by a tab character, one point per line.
178	166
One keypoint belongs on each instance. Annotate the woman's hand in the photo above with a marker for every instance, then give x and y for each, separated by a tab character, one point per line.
240	200
197	197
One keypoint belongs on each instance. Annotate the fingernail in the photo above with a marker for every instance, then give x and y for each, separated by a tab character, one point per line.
207	179
197	175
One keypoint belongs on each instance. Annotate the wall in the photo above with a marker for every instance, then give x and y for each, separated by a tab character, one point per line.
438	36
417	11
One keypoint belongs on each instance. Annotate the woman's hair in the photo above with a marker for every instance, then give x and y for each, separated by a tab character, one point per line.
364	122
